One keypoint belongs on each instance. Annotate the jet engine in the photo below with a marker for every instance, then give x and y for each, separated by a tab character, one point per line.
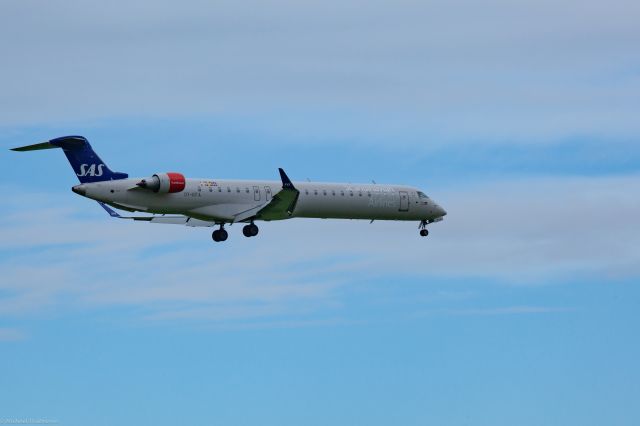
164	183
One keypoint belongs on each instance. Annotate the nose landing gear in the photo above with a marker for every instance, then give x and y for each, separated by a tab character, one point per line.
220	234
250	230
423	228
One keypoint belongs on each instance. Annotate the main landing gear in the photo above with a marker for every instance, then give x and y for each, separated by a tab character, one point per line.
423	228
250	230
220	234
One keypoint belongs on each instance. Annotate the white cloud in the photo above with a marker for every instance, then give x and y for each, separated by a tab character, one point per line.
461	70
535	231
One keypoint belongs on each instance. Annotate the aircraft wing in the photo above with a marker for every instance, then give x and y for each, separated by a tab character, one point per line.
281	205
174	220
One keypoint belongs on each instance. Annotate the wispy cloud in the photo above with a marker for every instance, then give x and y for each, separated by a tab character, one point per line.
500	71
523	232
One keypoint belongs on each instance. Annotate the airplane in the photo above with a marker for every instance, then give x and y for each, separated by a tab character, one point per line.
171	198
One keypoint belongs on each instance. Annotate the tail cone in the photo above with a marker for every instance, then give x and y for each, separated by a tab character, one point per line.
80	190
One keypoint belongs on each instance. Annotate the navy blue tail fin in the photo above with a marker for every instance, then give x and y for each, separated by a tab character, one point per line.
85	162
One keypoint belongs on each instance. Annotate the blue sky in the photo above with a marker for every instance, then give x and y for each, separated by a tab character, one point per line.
521	119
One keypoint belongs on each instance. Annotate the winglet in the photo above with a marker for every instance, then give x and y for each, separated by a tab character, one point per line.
286	182
109	210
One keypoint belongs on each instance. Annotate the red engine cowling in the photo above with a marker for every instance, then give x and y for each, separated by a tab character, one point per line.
164	183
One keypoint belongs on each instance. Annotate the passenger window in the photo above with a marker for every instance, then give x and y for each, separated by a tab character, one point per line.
351	193
237	189
333	193
369	194
246	190
219	189
315	192
324	192
228	189
306	191
342	193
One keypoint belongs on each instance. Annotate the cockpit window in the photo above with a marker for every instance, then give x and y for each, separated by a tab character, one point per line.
422	195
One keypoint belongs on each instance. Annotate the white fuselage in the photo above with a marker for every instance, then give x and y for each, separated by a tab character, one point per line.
221	200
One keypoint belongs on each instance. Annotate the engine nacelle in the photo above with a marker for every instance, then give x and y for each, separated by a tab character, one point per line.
164	183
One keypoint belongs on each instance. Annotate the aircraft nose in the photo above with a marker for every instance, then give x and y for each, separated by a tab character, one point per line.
440	211
80	190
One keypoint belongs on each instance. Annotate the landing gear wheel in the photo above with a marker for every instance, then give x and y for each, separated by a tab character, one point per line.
219	235
424	232
250	230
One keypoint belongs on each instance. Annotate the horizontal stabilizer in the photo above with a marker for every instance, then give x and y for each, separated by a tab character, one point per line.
35	147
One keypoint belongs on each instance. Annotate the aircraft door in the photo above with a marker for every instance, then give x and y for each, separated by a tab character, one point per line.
404	201
256	193
267	193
